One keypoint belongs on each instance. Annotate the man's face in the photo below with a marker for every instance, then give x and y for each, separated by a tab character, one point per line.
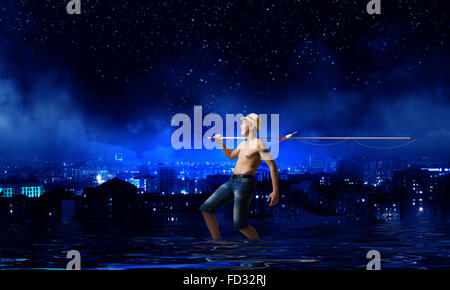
244	127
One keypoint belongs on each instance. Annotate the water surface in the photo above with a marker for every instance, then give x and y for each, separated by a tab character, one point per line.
185	244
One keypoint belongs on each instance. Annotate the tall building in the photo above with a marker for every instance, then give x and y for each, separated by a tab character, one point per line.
378	171
331	165
167	178
151	184
351	171
421	192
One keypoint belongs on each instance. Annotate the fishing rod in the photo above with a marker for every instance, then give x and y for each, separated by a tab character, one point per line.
289	136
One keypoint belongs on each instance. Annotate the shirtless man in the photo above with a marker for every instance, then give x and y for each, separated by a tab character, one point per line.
241	185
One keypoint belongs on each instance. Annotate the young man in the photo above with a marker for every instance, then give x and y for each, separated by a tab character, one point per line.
241	185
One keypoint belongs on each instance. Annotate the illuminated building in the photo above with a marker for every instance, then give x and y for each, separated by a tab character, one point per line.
387	212
422	192
118	156
378	171
135	181
30	189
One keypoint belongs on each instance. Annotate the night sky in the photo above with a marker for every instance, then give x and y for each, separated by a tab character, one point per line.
110	79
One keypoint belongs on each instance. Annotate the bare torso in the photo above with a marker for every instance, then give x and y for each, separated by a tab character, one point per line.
249	159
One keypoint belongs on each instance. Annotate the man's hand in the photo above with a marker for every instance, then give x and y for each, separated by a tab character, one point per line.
273	198
217	137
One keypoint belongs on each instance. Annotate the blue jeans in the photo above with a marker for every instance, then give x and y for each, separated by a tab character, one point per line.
242	190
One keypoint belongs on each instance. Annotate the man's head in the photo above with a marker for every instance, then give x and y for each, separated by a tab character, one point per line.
251	122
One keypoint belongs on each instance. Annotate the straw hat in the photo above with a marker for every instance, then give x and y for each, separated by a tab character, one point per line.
254	120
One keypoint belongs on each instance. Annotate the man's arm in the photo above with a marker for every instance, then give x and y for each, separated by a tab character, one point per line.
267	157
231	154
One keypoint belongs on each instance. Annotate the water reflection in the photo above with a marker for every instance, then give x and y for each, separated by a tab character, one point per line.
184	244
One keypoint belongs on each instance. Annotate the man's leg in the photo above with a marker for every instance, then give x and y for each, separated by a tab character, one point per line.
213	226
222	195
250	232
243	195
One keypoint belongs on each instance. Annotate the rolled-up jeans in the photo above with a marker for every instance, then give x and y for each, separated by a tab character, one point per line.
239	187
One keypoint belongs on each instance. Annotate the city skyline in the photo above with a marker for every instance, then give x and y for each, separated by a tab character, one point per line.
337	189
